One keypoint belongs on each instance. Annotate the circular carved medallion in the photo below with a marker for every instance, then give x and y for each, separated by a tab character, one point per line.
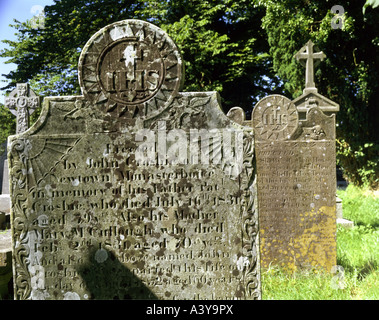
275	118
131	67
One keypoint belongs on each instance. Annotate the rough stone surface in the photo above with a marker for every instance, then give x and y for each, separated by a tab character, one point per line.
22	102
5	263
134	190
296	179
340	219
5	203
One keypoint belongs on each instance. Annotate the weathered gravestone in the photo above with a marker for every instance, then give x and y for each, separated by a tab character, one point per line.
296	174
134	189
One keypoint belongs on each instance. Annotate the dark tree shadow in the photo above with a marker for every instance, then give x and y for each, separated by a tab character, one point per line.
106	278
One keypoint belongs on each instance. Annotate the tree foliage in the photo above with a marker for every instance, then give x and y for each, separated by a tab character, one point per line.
241	48
221	50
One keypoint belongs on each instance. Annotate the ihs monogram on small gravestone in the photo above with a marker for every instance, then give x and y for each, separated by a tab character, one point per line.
22	102
134	189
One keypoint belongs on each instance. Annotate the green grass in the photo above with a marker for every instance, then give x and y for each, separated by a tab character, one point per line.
357	254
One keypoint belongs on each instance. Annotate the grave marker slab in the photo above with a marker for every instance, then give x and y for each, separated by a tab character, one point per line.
134	190
296	176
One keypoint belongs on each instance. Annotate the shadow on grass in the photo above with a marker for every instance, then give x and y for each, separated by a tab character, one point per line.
370	266
374	225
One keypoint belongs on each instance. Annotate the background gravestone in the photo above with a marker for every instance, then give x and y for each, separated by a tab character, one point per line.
4	184
296	175
91	221
22	102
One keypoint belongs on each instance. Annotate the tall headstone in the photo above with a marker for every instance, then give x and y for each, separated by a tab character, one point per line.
296	175
134	189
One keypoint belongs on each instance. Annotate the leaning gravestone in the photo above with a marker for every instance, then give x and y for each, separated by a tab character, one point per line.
296	175
134	189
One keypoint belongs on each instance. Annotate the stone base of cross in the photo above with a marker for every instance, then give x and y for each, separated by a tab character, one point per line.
22	102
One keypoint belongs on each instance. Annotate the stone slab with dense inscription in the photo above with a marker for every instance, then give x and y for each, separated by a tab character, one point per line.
134	190
296	174
296	180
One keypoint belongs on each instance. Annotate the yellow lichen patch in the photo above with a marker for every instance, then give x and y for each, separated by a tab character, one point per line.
316	246
311	243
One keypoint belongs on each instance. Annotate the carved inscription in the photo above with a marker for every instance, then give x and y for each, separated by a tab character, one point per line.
109	203
297	224
296	192
122	76
159	224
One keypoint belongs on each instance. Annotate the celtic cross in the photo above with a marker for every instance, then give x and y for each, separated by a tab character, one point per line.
306	56
22	102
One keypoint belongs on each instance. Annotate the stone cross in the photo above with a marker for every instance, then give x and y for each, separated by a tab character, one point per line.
22	102
306	53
